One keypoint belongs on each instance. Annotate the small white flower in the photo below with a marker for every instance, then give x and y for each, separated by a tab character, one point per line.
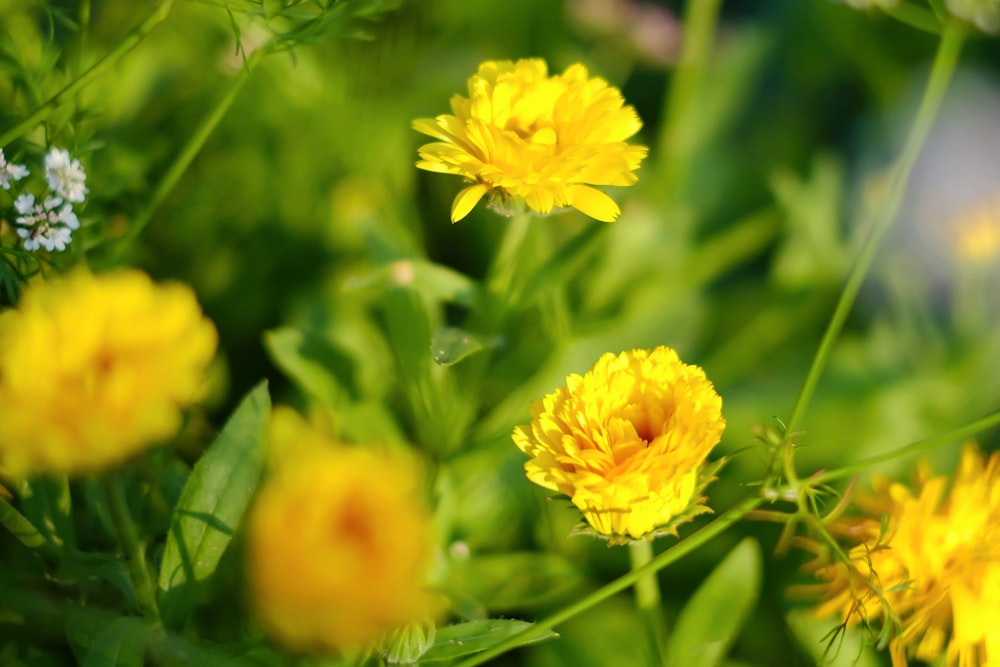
10	172
65	175
47	225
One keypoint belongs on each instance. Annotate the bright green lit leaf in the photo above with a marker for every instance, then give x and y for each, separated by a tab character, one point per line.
713	616
450	345
454	641
212	506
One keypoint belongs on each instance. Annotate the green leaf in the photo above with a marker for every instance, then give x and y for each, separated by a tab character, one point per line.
713	616
312	363
461	639
830	649
212	506
510	581
120	644
450	345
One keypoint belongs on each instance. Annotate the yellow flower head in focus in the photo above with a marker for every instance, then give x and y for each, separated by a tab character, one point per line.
93	369
627	442
522	134
935	567
337	542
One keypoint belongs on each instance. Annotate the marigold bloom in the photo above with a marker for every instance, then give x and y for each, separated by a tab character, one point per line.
627	442
934	569
545	140
337	541
96	368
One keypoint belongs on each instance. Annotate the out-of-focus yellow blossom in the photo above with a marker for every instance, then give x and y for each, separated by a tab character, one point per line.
977	231
934	567
94	368
337	541
627	442
522	134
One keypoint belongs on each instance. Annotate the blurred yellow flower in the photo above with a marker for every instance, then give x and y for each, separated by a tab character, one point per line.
337	541
977	230
933	568
96	368
627	442
545	140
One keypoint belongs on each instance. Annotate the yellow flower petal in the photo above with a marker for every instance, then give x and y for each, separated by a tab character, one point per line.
466	200
593	202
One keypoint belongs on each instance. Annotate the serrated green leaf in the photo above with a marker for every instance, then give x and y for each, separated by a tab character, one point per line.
212	506
713	616
454	641
122	643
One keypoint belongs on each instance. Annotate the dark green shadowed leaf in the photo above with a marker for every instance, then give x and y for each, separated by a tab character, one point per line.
312	363
122	643
212	506
713	616
454	641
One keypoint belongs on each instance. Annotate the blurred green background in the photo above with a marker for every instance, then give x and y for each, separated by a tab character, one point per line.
732	247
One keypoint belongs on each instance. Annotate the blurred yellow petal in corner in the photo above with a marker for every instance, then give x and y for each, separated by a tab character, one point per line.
337	541
627	442
934	566
545	140
95	368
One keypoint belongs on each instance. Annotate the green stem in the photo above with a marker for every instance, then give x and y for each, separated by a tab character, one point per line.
678	136
156	17
915	17
917	447
21	527
944	66
187	155
647	597
668	557
500	278
128	539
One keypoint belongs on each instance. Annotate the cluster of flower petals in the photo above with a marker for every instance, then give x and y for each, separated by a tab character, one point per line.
544	140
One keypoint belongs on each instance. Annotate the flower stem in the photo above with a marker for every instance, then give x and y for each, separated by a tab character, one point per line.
668	557
139	33
647	597
187	155
25	531
678	138
128	539
945	60
917	447
500	279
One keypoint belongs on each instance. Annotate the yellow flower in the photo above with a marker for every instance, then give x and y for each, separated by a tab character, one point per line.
544	140
933	570
977	230
96	368
627	442
337	541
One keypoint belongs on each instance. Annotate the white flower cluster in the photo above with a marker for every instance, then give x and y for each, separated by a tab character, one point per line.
48	223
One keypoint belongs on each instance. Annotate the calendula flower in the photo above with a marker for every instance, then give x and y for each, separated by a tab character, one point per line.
524	135
10	172
96	368
337	541
927	561
627	442
65	176
977	231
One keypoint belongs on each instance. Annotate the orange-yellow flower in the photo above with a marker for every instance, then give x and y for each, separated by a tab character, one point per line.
932	571
337	541
96	368
522	134
627	442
